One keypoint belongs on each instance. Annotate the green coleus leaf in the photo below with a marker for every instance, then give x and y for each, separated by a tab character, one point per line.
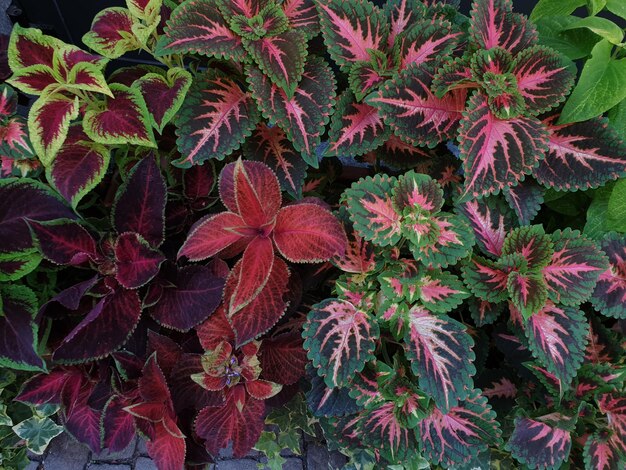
532	244
372	211
539	444
527	291
440	291
440	351
123	119
339	340
417	193
37	432
111	33
488	279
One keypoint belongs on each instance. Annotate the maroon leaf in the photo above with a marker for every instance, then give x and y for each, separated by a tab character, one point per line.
140	202
48	388
198	182
215	330
112	320
538	444
64	241
609	296
84	424
496	152
111	33
29	47
168	352
283	358
186	297
214	234
136	263
581	155
118	425
167	450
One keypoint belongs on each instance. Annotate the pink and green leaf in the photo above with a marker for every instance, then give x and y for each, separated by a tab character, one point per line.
402	15
302	16
532	244
487	279
383	430
454	75
609	296
416	192
454	241
600	452
440	291
527	291
538	444
525	199
426	42
491	221
111	33
339	339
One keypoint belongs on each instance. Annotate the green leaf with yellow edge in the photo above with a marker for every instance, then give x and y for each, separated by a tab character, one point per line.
38	432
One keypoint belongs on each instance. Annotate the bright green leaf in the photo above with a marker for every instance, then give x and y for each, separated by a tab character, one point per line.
605	28
617	7
574	43
617	118
616	213
555	8
595	6
597	212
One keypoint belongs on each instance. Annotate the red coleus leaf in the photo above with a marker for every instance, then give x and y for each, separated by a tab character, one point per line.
198	183
34	80
167	450
355	128
186	297
64	241
574	269
112	320
302	16
199	27
303	115
557	337
339	339
84	422
493	24
384	431
215	119
590	148
454	437
414	113
491	222
239	420
352	28
122	119
78	167
256	264
402	14
538	444
497	152
271	146
164	95
136	263
525	199
18	349
426	42
440	351
48	388
308	233
283	358
213	234
609	296
262	389
140	202
215	330
265	309
167	350
111	33
118	425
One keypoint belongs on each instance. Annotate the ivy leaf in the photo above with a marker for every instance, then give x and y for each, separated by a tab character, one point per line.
538	444
37	432
111	33
339	340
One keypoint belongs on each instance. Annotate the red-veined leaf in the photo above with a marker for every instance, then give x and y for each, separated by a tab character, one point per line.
440	351
216	117
538	444
528	292
454	437
199	27
48	388
398	154
215	330
414	113
308	233
426	42
198	183
355	128
500	388
402	14
118	425
64	241
350	28
581	155
111	33
304	115
136	262
574	269
84	423
14	140
493	24
525	199
168	352
339	340
383	430
609	296
495	61
491	221
532	244
283	358
247	8
302	16
557	337
497	152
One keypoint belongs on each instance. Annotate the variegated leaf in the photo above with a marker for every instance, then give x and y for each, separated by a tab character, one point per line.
339	340
440	291
491	221
216	117
613	405
455	74
528	292
402	15
426	42
111	33
453	240
488	279
600	452
532	244
440	351
525	199
365	77
382	429
302	16
538	444
609	296
416	192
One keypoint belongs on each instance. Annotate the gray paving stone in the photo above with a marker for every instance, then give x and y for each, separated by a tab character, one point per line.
144	463
33	466
65	453
241	464
227	453
318	457
124	454
141	447
106	466
293	464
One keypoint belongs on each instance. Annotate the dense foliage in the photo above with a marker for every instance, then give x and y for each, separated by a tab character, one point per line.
392	224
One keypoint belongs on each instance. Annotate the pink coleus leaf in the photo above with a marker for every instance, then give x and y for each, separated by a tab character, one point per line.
591	148
140	202
239	420
493	24
79	166
365	77
355	128
303	115
538	444
164	95
247	8
497	152
574	269
557	336
417	193
453	241
484	312
613	405
543	78
118	425
440	351
491	221
271	146
350	28
264	310
527	291
609	296
372	211
136	262
455	74
525	199
308	233
302	16
339	339
215	119
112	319
328	402
111	33
600	452
64	241
186	297
199	27
441	291
454	437
359	257
402	14
283	358
123	119
488	279
414	113
14	140
426	42
530	243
